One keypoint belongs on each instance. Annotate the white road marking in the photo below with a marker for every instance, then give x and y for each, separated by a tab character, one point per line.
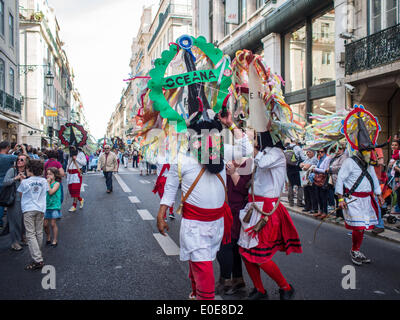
167	244
144	181
123	185
133	169
83	187
134	200
145	214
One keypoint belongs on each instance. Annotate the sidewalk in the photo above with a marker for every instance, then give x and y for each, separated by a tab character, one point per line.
390	233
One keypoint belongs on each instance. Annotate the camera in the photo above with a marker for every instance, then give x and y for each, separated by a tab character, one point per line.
350	88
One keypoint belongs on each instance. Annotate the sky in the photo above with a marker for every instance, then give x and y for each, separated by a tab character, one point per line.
98	36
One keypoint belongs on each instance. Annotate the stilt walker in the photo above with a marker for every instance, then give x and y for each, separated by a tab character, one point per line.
357	180
200	168
266	224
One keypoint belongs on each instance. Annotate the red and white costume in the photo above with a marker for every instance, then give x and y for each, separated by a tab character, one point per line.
279	234
205	214
74	176
363	213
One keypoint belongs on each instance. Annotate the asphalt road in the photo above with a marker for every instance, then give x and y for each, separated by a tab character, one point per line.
110	250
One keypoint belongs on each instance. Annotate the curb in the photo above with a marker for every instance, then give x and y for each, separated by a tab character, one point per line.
388	234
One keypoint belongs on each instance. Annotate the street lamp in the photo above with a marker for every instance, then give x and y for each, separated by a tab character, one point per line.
49	77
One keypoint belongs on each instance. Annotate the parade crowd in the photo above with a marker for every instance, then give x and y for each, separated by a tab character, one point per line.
310	178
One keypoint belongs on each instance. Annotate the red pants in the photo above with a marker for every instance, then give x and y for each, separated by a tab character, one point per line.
202	276
271	269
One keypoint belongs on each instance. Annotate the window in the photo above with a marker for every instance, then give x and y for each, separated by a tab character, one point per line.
295	60
2	75
2	17
299	112
323	48
383	14
259	3
242	11
11	29
324	106
12	82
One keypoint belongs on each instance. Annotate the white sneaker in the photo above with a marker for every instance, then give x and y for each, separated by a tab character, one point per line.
364	259
81	202
192	296
72	209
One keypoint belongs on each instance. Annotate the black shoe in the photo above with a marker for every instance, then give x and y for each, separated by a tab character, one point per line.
48	242
305	210
300	205
378	230
257	295
287	295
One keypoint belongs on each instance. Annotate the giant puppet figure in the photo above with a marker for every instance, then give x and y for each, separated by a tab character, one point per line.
200	168
77	159
266	224
357	180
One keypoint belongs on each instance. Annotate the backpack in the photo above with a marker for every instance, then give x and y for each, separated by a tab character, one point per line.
291	159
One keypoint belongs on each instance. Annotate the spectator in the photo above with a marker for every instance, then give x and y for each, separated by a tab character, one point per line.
321	183
126	158
135	155
108	163
294	156
15	217
52	155
335	164
310	191
53	205
33	203
6	162
142	164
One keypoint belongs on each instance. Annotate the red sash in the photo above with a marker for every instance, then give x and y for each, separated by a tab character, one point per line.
192	212
161	180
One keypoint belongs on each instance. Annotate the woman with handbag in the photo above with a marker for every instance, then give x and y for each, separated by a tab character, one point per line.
321	183
15	216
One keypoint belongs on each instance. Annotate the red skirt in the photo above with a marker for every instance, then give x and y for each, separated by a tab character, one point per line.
75	188
279	234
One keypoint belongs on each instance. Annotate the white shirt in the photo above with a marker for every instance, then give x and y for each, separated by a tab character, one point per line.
209	192
34	192
270	176
349	174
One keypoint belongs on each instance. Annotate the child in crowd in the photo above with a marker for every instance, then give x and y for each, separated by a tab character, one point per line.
33	204
53	205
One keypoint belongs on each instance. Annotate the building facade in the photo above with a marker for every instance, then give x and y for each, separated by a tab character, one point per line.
372	55
159	26
332	54
46	105
10	98
298	39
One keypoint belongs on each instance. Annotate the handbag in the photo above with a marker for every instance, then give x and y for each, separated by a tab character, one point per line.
320	179
7	195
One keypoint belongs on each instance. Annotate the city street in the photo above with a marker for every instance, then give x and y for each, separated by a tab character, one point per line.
111	249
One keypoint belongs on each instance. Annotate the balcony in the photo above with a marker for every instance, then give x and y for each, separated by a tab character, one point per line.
373	51
9	103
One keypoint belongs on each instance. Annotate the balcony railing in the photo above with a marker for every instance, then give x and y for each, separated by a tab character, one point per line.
373	51
9	103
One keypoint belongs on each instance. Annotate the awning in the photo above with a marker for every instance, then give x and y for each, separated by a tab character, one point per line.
15	120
